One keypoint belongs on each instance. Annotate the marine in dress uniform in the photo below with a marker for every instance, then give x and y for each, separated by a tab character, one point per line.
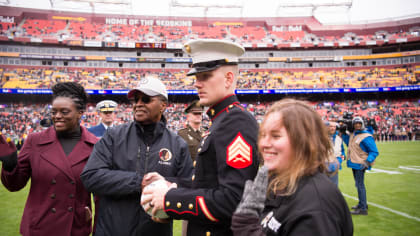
227	155
189	134
104	108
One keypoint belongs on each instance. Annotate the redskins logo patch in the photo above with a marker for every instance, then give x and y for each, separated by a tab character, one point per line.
165	154
239	153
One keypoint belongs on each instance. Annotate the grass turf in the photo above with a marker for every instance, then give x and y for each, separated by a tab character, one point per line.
399	192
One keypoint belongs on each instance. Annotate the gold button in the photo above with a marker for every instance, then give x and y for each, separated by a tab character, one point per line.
199	150
168	203
194	163
191	206
208	233
230	106
193	177
179	205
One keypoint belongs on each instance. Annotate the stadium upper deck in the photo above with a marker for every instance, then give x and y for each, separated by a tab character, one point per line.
81	29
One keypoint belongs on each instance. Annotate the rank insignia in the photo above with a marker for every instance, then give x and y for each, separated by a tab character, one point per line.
239	153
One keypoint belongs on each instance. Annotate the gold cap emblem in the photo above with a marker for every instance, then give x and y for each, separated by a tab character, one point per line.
187	48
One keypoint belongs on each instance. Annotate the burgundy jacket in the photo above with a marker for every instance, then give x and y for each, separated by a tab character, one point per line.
57	198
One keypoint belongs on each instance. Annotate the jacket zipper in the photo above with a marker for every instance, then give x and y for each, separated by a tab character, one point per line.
147	158
138	160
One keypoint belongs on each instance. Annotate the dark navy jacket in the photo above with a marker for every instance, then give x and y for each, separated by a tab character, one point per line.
115	171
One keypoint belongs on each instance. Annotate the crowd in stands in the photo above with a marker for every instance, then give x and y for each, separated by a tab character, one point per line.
395	120
248	79
82	30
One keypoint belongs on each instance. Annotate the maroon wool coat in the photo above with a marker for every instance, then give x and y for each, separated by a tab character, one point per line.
57	198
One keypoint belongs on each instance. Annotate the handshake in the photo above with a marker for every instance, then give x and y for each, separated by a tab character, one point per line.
154	189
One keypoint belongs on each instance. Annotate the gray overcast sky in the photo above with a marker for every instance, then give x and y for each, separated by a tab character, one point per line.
360	12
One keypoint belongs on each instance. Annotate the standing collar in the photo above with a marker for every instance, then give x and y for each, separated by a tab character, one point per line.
217	108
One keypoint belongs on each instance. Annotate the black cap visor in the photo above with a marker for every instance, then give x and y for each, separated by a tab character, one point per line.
208	66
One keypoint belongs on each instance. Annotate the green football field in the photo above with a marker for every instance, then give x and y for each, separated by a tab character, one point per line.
393	192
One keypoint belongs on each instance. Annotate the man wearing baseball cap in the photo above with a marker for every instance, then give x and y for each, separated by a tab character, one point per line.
227	155
126	153
106	111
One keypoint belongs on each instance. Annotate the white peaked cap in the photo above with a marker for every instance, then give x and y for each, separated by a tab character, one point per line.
210	54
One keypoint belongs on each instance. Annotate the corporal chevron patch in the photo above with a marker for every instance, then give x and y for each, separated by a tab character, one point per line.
239	153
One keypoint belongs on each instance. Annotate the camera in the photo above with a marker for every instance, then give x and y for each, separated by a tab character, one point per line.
345	122
371	123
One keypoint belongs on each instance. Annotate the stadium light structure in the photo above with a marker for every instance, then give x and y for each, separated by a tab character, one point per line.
123	2
206	7
314	6
96	6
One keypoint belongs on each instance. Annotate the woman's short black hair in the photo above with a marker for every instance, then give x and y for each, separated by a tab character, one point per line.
71	90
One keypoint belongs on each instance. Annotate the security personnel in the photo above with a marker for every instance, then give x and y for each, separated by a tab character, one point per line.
192	133
106	111
227	156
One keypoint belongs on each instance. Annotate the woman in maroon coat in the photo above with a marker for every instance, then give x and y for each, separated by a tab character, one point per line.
58	203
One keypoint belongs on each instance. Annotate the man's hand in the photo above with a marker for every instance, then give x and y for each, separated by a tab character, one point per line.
149	178
154	197
366	165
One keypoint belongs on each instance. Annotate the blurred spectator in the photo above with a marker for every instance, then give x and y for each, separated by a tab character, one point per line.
17	119
178	79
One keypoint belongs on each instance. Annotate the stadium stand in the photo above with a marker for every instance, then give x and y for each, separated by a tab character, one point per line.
397	120
55	27
32	78
105	52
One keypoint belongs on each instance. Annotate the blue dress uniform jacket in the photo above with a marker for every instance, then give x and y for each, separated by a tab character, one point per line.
115	171
57	198
98	130
227	157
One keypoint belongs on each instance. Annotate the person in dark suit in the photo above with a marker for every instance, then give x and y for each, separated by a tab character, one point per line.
58	203
227	155
192	132
106	110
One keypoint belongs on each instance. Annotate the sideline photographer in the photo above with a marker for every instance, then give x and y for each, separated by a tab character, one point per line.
362	152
